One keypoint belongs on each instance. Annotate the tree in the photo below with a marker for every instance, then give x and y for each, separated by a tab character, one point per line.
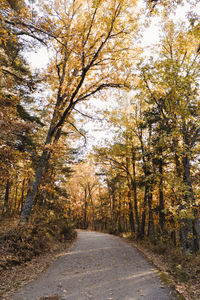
84	194
172	89
16	86
159	147
86	61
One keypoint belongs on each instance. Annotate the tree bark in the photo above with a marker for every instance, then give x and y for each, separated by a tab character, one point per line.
134	187
32	192
15	203
93	210
131	217
6	198
20	203
142	232
187	231
161	199
26	211
85	209
114	216
151	230
196	228
120	227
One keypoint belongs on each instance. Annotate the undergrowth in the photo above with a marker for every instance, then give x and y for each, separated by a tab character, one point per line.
20	244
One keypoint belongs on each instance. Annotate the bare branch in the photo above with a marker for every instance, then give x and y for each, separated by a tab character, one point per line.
117	11
32	36
91	24
85	140
86	115
99	88
33	27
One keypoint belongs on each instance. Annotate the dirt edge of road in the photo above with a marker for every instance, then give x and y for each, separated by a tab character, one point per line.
163	268
18	276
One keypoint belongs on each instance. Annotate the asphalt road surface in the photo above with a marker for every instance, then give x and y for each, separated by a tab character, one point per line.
99	267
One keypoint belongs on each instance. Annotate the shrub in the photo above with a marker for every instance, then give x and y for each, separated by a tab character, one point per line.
21	244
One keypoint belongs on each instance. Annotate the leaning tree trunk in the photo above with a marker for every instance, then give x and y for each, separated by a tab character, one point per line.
26	210
32	192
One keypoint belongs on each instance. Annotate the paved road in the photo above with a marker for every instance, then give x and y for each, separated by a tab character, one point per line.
98	267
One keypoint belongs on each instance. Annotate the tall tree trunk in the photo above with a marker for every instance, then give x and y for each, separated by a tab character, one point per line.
142	232
131	217
85	209
187	230
151	230
134	187
26	211
186	226
120	228
15	203
6	198
21	201
111	210
161	199
114	215
32	192
124	213
93	210
179	175
103	217
196	228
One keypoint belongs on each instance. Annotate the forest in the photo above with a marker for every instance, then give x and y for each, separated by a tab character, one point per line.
141	179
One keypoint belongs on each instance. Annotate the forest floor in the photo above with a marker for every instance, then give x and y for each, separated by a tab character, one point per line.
18	275
15	273
98	266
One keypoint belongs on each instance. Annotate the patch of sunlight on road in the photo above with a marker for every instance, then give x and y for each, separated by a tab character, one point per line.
92	250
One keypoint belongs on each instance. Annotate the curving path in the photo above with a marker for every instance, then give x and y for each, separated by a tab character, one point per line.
99	267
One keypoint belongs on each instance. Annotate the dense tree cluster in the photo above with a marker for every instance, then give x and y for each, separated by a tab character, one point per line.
152	169
23	122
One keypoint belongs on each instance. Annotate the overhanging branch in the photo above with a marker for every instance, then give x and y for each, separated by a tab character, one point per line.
85	140
101	87
86	115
